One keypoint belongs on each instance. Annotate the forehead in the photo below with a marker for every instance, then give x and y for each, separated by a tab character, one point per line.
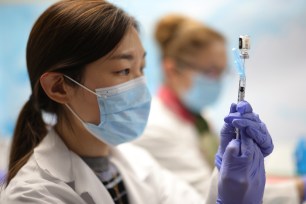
130	48
130	44
216	52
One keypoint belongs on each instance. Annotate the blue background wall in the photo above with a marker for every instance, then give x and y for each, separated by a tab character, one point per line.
276	70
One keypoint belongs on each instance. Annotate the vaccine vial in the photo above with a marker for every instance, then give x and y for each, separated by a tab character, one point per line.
244	46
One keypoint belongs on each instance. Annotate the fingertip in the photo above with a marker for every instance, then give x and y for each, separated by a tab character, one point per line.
244	107
232	116
239	123
233	148
228	119
233	108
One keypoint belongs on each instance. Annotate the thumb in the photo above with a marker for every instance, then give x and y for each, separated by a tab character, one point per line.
232	150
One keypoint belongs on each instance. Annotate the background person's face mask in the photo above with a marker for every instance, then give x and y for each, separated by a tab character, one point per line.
203	92
124	111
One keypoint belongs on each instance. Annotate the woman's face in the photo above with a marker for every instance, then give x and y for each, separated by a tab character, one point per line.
210	62
125	63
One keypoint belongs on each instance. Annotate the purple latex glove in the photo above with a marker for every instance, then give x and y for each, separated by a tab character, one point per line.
242	173
241	116
227	134
241	162
2	175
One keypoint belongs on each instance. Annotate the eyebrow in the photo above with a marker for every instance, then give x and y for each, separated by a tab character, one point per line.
127	56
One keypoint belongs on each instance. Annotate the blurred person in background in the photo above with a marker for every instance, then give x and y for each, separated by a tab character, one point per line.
180	138
193	62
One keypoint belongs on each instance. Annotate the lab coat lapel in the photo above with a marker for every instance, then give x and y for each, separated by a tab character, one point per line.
134	178
68	167
88	184
58	164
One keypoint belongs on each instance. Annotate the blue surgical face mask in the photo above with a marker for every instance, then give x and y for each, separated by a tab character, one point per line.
203	92
124	111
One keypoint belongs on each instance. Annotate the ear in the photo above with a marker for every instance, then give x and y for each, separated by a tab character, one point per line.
169	66
54	85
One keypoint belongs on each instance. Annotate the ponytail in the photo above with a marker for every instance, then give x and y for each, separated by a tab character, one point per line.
29	131
85	32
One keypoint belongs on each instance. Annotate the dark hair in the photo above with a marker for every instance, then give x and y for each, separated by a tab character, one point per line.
67	36
179	35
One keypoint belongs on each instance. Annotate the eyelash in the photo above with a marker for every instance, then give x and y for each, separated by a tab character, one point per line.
124	72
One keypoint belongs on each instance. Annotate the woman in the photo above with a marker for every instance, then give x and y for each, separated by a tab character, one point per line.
85	62
193	60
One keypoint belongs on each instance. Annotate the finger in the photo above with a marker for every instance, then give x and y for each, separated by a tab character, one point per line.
243	123
218	161
227	129
232	149
264	141
228	133
247	144
250	116
233	108
244	107
258	132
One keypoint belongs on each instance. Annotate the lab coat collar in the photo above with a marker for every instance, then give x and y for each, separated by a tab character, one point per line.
68	167
173	103
53	147
121	162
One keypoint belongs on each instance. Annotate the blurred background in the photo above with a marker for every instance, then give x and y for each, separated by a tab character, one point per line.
276	70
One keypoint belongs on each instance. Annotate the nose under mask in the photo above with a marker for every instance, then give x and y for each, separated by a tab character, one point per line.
124	111
202	93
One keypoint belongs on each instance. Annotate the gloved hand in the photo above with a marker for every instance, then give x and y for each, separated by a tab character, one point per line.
240	162
227	134
241	116
242	173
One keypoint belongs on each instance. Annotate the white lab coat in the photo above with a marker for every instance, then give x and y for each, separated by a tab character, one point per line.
174	144
54	174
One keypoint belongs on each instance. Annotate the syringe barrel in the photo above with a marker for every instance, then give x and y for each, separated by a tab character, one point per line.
241	89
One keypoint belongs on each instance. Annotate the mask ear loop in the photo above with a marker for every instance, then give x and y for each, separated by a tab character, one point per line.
81	85
74	113
84	87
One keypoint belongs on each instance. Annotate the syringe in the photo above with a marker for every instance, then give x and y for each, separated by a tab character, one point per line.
244	46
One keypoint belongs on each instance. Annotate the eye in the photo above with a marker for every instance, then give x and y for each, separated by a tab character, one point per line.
123	72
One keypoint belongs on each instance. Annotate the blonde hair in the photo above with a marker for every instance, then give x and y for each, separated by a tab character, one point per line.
180	36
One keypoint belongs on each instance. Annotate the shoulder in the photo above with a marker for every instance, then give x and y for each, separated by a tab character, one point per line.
33	184
33	191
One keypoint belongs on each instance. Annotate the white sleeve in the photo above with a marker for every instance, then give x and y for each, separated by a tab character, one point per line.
212	194
165	187
173	190
178	154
